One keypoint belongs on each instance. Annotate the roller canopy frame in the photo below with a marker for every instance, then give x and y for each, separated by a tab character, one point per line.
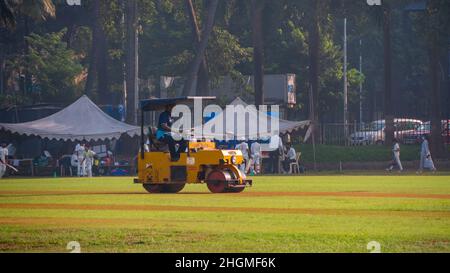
158	104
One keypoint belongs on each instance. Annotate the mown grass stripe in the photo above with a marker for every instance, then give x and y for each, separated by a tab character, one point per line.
344	212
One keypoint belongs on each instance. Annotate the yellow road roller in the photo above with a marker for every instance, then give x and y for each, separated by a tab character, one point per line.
201	162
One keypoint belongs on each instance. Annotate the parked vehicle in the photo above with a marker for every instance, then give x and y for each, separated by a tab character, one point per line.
425	129
374	132
371	133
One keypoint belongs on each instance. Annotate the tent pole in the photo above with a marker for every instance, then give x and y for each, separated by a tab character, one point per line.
142	134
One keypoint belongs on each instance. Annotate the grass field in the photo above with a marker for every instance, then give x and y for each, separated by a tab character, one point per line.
366	153
339	213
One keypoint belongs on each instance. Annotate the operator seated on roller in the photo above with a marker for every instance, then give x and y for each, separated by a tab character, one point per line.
164	134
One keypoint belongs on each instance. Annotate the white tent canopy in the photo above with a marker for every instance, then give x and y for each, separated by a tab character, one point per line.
82	120
285	126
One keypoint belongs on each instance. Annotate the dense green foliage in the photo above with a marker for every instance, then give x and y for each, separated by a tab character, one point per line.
53	65
166	47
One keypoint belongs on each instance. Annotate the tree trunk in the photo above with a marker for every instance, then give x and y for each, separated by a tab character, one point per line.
132	95
257	7
68	38
89	85
436	143
98	66
200	49
2	70
7	16
123	58
202	77
28	77
102	67
92	69
389	118
314	54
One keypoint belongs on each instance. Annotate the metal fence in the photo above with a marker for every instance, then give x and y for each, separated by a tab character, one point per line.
406	131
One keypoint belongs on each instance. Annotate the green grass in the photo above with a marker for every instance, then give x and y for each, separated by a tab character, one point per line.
368	153
319	224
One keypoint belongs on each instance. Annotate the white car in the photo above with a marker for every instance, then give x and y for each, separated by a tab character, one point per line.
370	134
374	133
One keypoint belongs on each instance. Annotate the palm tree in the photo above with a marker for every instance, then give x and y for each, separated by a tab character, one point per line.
200	48
389	118
382	16
203	78
89	85
257	7
98	57
435	104
437	23
132	95
314	55
7	17
35	10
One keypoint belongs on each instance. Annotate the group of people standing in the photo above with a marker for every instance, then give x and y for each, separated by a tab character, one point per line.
252	157
83	157
278	154
426	162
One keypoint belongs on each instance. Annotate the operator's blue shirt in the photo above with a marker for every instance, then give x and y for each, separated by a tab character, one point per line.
164	117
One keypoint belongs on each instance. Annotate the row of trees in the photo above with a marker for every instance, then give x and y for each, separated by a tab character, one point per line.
53	52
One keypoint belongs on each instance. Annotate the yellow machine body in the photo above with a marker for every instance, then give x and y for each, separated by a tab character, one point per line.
195	166
202	162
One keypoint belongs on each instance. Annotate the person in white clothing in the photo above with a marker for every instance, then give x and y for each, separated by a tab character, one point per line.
426	162
291	156
395	156
255	149
276	153
3	157
79	151
11	150
243	147
74	160
88	160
